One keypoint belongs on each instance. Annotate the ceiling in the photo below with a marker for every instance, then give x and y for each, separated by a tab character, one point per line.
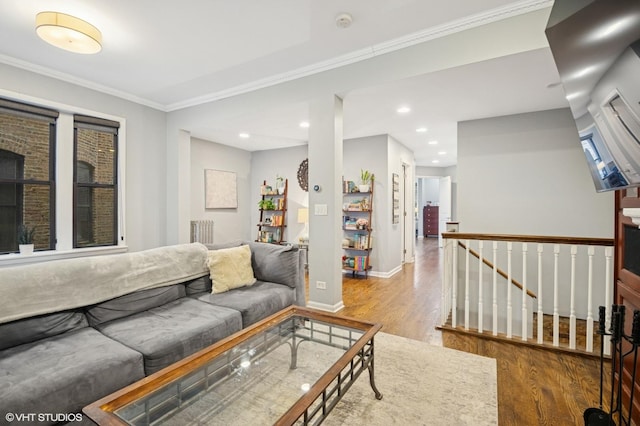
179	55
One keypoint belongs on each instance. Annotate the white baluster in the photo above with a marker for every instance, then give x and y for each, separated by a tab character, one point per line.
495	288
572	316
466	287
590	251
454	287
446	282
556	284
540	307
608	253
509	305
524	291
480	290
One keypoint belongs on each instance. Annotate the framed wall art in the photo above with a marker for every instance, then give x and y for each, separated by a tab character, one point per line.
395	178
221	191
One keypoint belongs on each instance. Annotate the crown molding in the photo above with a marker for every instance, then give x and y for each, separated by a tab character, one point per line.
483	18
68	78
459	25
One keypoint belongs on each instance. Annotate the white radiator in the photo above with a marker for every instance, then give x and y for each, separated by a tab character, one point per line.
202	231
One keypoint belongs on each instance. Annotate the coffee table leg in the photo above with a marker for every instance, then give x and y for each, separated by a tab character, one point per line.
371	376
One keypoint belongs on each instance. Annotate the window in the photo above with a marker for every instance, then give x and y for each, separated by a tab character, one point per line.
95	196
27	174
626	118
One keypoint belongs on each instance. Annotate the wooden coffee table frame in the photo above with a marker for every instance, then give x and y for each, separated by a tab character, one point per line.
312	408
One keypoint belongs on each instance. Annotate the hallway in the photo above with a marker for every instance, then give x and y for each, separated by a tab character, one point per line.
408	304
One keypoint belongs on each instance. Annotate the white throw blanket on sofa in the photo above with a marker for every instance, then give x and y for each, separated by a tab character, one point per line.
54	286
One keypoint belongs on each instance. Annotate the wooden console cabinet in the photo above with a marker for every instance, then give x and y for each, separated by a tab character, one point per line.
430	221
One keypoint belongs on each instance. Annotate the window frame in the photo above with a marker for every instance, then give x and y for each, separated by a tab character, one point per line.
49	116
101	125
64	184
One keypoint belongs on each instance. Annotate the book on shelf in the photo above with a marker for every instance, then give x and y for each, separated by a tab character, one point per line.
358	263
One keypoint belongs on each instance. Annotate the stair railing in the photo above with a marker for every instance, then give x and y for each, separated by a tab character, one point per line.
573	274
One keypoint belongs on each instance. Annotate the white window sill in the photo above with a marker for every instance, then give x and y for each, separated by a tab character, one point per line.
16	259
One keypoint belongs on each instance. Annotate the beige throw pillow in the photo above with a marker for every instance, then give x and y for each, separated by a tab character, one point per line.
230	268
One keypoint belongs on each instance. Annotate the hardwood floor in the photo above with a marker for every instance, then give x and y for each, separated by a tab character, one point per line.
535	386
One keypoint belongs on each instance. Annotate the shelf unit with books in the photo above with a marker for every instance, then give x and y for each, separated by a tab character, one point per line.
273	212
357	211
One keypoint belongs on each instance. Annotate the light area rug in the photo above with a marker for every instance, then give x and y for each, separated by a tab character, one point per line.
421	384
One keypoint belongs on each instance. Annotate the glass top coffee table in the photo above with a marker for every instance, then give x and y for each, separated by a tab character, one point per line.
291	368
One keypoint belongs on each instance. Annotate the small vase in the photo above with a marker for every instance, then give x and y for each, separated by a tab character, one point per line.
26	248
363	188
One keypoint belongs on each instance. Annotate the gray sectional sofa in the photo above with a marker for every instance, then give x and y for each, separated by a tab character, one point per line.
73	331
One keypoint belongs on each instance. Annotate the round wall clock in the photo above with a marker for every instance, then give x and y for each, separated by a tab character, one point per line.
303	174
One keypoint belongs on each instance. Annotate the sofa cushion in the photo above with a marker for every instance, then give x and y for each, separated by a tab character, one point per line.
230	268
198	285
168	333
133	303
255	302
62	374
40	327
275	263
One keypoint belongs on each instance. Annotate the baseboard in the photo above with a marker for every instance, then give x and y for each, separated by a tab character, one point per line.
324	307
386	274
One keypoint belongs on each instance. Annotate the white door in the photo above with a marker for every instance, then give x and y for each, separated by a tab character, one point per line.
445	206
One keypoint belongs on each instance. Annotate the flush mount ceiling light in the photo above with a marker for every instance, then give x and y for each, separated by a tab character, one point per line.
68	32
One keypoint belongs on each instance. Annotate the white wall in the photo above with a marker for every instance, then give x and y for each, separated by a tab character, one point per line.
526	174
145	189
402	234
229	224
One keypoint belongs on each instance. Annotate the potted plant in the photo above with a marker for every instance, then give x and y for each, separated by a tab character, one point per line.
25	239
365	179
266	204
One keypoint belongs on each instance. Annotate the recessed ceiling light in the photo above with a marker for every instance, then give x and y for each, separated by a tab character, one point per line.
304	124
244	135
421	130
403	110
435	161
442	152
433	142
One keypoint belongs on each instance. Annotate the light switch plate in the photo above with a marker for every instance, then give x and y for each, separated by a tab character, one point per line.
320	209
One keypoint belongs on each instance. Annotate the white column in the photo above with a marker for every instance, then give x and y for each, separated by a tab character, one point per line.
325	203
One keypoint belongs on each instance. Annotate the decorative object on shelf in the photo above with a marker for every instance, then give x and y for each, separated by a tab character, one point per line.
396	198
221	190
357	225
280	184
273	211
365	179
303	174
25	239
266	204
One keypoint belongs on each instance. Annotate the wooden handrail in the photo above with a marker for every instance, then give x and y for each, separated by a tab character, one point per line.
498	270
542	239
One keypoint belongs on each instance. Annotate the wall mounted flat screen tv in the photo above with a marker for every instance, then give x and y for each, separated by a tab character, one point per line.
596	48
